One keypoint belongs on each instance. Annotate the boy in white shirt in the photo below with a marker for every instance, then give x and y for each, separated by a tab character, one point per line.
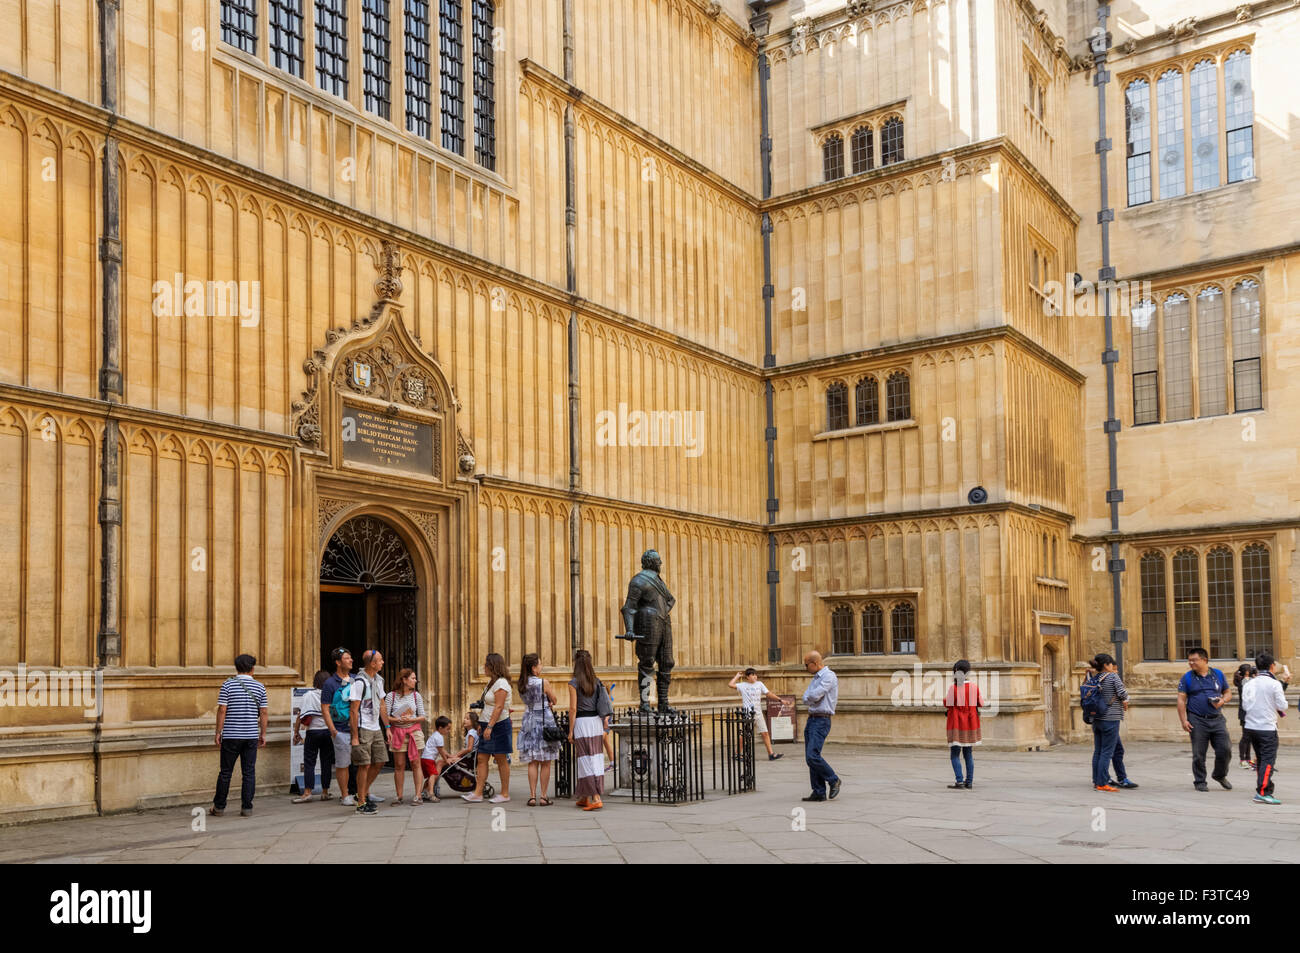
1264	701
435	757
752	694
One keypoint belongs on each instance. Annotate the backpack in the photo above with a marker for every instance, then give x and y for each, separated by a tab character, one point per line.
341	704
1090	700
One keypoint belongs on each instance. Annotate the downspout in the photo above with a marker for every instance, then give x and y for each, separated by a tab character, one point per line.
109	647
575	405
1100	45
759	23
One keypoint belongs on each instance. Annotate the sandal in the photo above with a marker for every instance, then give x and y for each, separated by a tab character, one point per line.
398	801
416	800
545	802
532	802
327	796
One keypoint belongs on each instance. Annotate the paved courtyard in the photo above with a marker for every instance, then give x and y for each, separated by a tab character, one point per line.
1026	807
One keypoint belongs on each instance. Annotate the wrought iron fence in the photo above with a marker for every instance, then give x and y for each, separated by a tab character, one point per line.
661	760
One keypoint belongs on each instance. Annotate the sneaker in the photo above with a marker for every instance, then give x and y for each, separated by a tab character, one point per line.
245	812
1126	784
376	799
835	788
968	785
497	799
815	797
1266	799
773	757
1105	787
349	801
1248	764
1227	785
368	808
1201	786
216	811
958	786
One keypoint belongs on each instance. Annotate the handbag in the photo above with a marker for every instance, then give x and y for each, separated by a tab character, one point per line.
604	706
552	732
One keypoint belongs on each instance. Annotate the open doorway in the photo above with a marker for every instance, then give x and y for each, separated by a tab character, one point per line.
368	596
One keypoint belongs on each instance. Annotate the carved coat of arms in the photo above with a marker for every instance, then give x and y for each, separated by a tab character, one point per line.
360	375
414	390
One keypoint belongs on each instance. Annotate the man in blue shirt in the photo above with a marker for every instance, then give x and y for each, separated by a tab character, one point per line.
1202	693
340	733
822	694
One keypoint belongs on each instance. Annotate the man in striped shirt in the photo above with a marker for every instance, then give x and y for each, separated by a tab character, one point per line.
241	730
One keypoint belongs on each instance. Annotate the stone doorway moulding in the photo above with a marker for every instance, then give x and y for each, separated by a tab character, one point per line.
378	438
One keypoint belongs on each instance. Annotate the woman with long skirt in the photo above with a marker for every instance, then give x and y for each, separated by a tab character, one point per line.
587	732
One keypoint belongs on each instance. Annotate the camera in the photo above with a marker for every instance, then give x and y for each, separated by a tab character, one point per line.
476	706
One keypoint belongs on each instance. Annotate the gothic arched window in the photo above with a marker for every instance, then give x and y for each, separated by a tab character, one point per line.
861	145
891	141
898	396
837	406
833	157
842	631
867	399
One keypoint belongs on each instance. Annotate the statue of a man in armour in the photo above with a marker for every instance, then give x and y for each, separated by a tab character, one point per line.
645	617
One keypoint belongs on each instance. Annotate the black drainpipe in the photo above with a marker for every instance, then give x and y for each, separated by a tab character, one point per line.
1100	45
759	23
109	642
575	405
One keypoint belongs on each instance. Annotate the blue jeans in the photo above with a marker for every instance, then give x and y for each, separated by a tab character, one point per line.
243	750
1107	749
815	730
955	752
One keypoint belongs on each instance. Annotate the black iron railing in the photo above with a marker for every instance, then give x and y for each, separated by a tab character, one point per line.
661	760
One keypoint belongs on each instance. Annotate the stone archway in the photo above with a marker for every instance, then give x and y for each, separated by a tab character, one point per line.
369	594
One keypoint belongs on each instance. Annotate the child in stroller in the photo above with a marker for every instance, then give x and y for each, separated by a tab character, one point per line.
458	773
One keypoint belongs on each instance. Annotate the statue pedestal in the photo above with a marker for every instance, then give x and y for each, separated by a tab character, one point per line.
658	759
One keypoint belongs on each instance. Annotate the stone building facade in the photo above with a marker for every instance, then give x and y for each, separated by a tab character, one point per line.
413	324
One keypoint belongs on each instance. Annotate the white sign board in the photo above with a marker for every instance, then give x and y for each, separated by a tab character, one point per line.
297	751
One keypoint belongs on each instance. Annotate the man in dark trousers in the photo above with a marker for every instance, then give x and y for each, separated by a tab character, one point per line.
1202	693
821	696
241	730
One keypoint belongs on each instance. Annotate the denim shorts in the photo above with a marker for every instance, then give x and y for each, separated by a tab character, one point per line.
501	742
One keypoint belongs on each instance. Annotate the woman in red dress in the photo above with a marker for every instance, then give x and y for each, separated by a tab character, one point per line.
962	702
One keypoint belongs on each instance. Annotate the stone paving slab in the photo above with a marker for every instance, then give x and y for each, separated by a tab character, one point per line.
895	807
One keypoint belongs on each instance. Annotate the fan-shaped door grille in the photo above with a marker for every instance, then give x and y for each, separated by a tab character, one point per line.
366	551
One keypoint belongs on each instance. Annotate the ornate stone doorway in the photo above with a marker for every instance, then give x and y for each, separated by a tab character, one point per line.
369	595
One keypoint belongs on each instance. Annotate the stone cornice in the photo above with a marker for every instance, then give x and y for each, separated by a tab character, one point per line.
1000	147
921	346
145	416
937	512
1184	30
609	502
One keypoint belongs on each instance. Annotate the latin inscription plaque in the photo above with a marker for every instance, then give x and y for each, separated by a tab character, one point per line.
393	443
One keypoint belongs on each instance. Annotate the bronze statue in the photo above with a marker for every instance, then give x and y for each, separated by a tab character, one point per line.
645	617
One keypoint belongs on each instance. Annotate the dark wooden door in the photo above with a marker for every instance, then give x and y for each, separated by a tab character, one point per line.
342	623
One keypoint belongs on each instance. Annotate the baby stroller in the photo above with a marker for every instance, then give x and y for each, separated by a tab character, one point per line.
458	778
